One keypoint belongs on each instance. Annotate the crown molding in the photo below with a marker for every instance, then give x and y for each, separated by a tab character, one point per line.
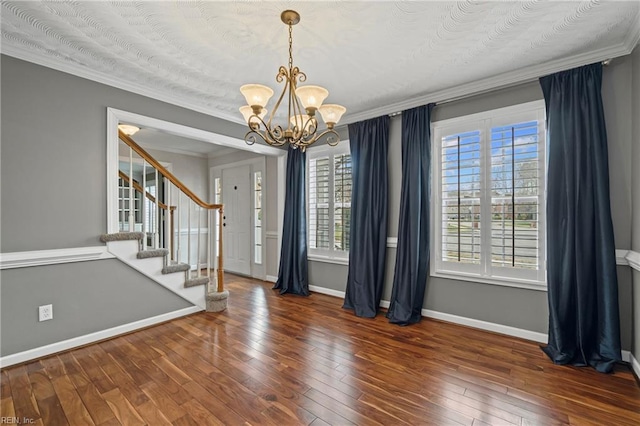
501	81
102	78
474	88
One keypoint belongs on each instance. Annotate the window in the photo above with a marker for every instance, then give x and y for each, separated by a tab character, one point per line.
329	200
257	217
489	196
217	199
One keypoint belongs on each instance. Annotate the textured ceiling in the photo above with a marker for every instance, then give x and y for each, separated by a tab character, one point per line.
370	55
163	141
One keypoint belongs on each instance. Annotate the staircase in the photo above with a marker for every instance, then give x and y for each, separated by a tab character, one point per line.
156	210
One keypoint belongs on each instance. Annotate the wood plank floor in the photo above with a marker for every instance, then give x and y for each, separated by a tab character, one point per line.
290	360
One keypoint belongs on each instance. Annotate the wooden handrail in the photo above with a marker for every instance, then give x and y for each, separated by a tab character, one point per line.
166	173
139	188
178	184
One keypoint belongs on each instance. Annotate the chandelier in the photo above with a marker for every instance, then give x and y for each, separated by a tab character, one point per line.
303	102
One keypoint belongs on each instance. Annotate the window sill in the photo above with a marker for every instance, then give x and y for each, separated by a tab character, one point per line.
328	259
504	282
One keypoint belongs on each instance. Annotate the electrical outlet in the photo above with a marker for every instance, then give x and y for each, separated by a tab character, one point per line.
45	312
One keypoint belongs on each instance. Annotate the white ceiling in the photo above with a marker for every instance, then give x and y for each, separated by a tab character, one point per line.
374	57
149	138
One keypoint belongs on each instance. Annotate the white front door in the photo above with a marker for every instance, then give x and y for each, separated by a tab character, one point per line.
236	197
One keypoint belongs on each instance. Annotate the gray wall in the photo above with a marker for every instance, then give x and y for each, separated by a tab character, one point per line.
54	128
234	157
521	308
53	195
86	297
635	243
191	170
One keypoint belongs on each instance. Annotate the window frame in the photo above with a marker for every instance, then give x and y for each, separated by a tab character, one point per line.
485	272
330	255
257	246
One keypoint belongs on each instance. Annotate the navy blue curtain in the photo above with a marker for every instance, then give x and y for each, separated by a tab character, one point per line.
369	143
584	325
293	275
412	258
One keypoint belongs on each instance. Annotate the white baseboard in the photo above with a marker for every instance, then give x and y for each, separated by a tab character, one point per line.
635	365
64	345
456	319
26	259
327	291
271	278
482	325
626	356
488	326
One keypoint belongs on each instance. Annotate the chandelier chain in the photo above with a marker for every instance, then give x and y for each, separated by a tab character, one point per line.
290	46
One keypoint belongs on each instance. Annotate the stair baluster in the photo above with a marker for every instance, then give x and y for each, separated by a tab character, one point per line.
189	235
143	207
156	220
198	249
132	219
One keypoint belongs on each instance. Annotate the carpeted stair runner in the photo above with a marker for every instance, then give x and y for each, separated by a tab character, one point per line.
147	254
192	282
121	236
175	267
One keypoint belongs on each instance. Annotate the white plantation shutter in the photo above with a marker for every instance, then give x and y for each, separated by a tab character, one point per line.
489	203
257	217
461	230
329	201
515	195
319	203
342	201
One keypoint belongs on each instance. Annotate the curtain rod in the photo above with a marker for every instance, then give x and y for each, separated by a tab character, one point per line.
605	63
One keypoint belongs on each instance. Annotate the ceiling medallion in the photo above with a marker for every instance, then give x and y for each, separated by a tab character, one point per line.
303	102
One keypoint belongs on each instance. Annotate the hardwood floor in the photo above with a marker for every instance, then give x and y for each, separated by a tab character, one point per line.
289	360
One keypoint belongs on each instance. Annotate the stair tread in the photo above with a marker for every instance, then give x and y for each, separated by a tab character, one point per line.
145	254
176	267
191	282
121	236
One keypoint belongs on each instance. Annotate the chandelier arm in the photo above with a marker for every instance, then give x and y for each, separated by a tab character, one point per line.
333	138
291	85
275	136
250	138
270	136
309	131
298	112
283	75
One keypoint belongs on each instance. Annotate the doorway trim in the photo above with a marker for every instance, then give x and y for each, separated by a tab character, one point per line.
115	116
255	165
